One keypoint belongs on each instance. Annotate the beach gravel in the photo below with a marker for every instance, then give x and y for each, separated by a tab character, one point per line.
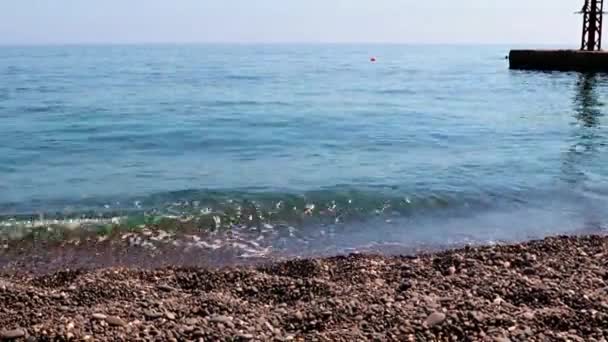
550	290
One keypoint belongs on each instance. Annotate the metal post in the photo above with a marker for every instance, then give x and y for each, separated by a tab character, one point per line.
593	11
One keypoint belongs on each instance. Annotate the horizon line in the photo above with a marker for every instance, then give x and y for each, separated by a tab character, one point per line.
60	44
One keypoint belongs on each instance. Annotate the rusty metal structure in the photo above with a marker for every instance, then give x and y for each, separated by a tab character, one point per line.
590	58
592	11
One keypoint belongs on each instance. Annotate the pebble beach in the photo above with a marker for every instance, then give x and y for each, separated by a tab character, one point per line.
547	290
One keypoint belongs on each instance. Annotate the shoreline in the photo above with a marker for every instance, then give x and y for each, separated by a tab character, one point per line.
551	289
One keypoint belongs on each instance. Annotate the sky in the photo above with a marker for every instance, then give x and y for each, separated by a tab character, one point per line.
290	21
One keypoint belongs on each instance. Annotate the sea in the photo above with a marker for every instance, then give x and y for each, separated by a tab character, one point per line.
428	145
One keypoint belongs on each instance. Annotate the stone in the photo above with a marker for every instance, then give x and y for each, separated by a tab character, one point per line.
269	327
116	321
192	321
452	270
477	316
12	334
170	315
528	315
434	319
166	288
575	337
99	316
530	257
221	319
152	314
405	285
502	339
187	328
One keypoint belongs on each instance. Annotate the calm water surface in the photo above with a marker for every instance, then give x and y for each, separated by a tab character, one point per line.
428	145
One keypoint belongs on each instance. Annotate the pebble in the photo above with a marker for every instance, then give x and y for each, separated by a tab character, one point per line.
338	304
221	319
478	316
528	315
436	318
269	327
12	334
166	288
152	314
116	321
99	316
192	321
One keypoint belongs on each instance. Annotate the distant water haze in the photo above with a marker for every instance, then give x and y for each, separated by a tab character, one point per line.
355	21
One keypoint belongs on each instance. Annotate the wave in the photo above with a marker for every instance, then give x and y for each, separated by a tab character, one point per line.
254	206
42	108
260	223
396	91
244	78
225	103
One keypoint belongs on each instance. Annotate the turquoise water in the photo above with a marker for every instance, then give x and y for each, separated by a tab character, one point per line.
430	143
